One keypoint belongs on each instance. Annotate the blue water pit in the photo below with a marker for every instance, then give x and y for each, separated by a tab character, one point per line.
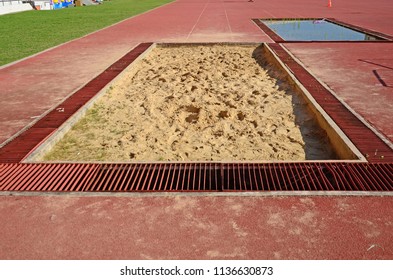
316	30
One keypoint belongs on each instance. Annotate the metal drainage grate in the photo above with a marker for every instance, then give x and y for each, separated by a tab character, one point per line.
208	177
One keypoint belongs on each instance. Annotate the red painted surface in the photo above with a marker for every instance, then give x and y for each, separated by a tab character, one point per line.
30	88
64	227
59	227
361	75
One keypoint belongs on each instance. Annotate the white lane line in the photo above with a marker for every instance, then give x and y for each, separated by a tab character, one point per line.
192	30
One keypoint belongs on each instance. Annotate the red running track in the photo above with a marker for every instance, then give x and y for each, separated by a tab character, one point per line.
185	227
30	88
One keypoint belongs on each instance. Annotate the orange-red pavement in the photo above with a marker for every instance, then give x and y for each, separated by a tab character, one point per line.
361	74
184	227
187	227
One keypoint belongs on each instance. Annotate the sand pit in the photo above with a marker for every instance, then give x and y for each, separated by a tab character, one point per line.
197	103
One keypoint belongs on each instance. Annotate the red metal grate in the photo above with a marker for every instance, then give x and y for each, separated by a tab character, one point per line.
196	177
21	146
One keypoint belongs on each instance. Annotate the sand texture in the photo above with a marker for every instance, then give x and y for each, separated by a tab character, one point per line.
197	103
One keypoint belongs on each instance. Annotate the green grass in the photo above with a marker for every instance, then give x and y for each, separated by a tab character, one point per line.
26	33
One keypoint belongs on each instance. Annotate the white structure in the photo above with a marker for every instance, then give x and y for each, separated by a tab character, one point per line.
15	6
43	4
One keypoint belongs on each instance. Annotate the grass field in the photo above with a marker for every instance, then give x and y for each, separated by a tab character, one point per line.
26	33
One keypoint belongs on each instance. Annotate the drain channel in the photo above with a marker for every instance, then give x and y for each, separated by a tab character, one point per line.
196	177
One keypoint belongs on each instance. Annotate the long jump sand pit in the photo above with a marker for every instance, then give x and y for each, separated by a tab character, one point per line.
197	103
